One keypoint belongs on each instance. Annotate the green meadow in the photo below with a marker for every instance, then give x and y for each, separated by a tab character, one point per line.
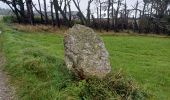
35	63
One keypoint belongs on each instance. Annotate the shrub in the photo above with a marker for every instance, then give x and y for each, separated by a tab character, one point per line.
9	19
114	86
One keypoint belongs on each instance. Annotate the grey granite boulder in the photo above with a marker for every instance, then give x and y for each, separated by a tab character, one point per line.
85	53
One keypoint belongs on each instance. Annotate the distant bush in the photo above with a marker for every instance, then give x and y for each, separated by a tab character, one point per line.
39	28
37	19
9	19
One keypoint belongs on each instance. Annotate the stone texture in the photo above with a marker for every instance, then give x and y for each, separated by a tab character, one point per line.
85	53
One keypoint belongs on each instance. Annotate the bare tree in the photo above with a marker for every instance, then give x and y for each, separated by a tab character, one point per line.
45	12
89	11
55	2
146	19
113	13
116	14
99	5
57	8
41	14
108	15
15	10
22	10
52	14
65	6
30	12
80	14
135	18
69	7
125	15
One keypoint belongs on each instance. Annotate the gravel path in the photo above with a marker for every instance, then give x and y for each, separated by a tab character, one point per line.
5	90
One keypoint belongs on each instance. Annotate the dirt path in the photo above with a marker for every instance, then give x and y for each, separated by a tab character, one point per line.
5	90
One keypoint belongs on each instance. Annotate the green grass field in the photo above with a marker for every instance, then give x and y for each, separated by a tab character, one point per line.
35	64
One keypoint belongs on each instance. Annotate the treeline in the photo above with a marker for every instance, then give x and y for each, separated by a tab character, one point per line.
147	16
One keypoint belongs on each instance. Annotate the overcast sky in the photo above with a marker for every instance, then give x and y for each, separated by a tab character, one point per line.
83	4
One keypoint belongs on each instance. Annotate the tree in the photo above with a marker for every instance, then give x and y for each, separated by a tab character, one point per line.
111	14
89	11
22	10
108	14
20	13
135	18
30	13
116	14
41	14
45	12
99	5
57	8
55	3
80	14
52	14
126	13
69	7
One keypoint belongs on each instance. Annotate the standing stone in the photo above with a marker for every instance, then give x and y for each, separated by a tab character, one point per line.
85	53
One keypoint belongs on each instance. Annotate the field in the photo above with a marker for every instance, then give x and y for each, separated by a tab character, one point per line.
35	63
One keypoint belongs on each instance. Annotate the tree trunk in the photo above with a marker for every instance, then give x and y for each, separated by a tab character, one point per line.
135	18
16	11
113	14
58	8
52	14
56	13
108	15
100	16
30	13
80	13
126	16
88	11
70	14
22	10
116	16
45	11
41	14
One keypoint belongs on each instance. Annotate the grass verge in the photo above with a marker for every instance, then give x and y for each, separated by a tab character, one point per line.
35	62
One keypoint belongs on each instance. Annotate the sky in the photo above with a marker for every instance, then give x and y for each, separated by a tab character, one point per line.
83	4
